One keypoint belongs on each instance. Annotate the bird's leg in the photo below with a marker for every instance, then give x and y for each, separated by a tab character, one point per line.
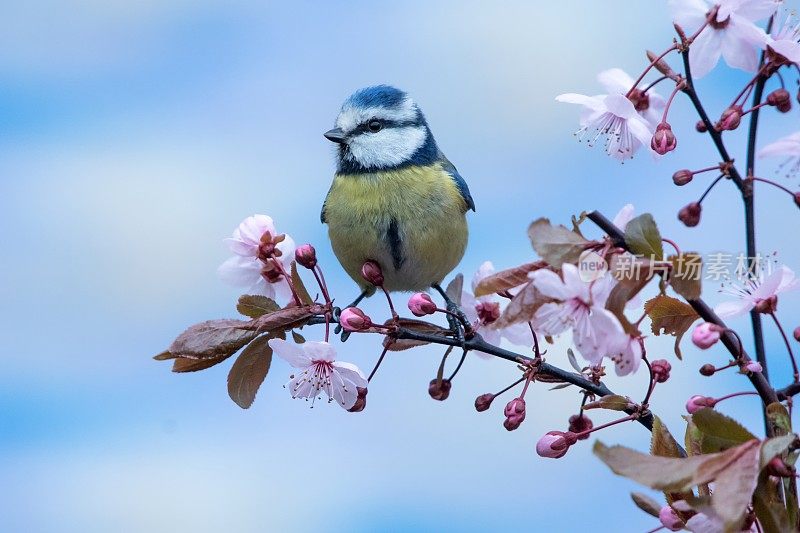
458	321
337	311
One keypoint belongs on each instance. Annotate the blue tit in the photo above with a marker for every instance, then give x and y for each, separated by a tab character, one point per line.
395	198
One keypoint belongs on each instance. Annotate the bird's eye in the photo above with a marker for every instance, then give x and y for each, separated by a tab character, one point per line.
374	126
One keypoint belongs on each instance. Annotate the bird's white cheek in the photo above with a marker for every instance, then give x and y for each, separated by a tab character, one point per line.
388	147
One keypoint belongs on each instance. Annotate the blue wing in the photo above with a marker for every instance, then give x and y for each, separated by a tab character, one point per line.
460	182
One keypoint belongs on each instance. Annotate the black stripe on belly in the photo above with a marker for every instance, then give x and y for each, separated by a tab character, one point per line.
395	246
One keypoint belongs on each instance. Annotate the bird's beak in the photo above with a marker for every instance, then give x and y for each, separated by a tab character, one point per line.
336	135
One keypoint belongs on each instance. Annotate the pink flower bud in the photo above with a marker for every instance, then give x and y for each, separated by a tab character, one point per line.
754	367
708	369
797	199
515	414
439	390
670	519
701	126
796	333
306	256
483	402
682	177
354	319
697	402
555	444
579	424
361	401
781	99
690	214
421	304
372	273
779	468
730	119
661	369
663	140
706	335
767	305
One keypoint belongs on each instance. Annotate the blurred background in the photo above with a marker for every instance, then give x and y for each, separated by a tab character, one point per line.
134	136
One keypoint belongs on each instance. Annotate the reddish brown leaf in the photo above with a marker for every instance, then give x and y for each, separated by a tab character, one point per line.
522	307
555	244
670	316
419	326
182	364
285	319
249	371
212	339
300	287
507	279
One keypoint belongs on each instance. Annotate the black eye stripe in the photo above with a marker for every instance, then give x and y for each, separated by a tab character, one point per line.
385	123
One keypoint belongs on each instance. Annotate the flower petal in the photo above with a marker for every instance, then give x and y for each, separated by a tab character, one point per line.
549	284
733	308
290	352
615	80
318	351
705	52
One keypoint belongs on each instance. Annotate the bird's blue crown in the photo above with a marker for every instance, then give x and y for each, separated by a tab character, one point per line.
382	128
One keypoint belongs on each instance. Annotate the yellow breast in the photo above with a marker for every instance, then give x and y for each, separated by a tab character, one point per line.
410	220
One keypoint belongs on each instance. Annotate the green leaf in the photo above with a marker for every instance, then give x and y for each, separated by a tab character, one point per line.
670	316
686	274
300	287
643	238
769	510
255	305
504	280
614	402
719	432
774	447
734	486
212	339
555	244
778	418
455	288
646	503
662	443
249	371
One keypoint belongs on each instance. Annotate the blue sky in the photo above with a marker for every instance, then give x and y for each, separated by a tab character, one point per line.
135	136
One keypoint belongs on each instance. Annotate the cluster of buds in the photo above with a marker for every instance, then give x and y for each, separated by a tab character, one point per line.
697	402
306	256
706	335
514	413
730	119
663	140
661	369
555	444
781	99
354	319
372	273
580	424
421	304
690	214
439	389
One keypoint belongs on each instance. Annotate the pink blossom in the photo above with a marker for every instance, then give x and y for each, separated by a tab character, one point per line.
784	39
732	33
669	518
706	335
353	319
755	290
555	444
697	402
483	311
789	147
320	372
649	105
626	354
249	268
580	306
612	118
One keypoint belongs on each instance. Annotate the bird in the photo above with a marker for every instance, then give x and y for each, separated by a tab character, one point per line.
395	198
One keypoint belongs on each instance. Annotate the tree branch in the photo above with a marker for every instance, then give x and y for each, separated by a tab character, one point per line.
762	386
